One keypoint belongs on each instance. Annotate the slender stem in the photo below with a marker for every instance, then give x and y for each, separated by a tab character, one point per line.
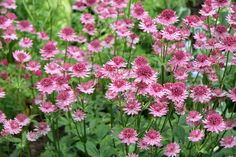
226	66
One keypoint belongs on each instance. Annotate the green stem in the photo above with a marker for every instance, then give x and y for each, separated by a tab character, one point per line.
226	66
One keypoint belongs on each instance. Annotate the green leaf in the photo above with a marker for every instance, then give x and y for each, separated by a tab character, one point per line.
92	149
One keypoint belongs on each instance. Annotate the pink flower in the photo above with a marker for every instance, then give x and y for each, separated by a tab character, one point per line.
2	117
158	109
145	74
12	127
193	118
138	12
128	136
46	85
89	28
214	123
140	61
142	144
227	44
21	56
153	138
87	18
67	34
42	128
201	93
52	68
47	107
119	85
167	17
61	83
193	21
148	25
117	62
49	50
64	99
228	142
25	26
10	34
201	61
230	124
156	90
180	58
33	65
132	108
22	119
26	42
32	136
2	93
171	33
207	10
119	4
172	150
4	22
78	115
9	4
42	35
220	3
232	94
79	5
80	70
196	135
176	92
95	46
108	41
87	87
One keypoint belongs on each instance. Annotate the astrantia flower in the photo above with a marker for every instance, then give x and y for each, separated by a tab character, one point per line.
87	87
87	18
25	42
32	136
64	99
61	83
33	65
80	70
231	18
214	123
25	26
132	107
49	50
42	128
42	36
95	46
230	124
201	93
2	117
193	21
78	115
227	44
158	109
171	33
172	150
228	142
153	138
119	4
89	28
46	85
21	56
138	12
52	68
193	118
4	22
220	31
79	5
145	74
2	93
232	94
67	34
10	34
128	136
167	17
176	92
196	135
207	10
47	107
119	85
117	62
142	144
22	119
140	61
148	25
220	3
9	4
108	41
156	90
12	126
180	58
201	61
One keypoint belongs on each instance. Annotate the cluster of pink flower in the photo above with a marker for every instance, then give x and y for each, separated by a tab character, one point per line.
66	77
